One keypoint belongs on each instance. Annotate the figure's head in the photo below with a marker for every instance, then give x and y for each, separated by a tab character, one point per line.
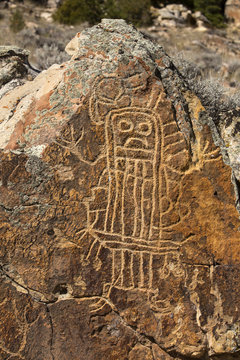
134	130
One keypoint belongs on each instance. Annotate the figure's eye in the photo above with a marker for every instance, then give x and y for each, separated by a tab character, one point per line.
145	128
125	125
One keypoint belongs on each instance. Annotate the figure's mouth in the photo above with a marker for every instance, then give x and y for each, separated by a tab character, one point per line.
136	143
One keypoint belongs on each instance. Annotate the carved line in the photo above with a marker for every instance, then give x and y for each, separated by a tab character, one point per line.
122	267
141	270
158	144
169	146
142	210
143	160
99	305
137	240
123	198
132	150
136	211
213	153
141	248
150	270
131	269
113	266
110	192
91	248
96	217
115	200
9	352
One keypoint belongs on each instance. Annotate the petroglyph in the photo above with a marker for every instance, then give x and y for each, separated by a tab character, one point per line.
146	158
118	214
135	208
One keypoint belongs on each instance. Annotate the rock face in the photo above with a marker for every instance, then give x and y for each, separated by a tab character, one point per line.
119	231
232	11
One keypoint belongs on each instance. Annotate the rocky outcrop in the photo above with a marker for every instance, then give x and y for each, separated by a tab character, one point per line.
232	11
119	229
177	15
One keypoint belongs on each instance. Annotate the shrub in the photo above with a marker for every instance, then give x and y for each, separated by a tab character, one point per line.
213	95
212	9
49	55
135	11
72	12
47	44
16	21
48	34
188	3
92	11
40	2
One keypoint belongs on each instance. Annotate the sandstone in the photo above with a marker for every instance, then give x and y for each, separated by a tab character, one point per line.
119	229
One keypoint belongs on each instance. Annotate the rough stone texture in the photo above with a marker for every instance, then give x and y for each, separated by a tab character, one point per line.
119	230
232	11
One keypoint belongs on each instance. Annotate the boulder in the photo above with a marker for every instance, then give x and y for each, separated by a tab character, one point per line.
53	4
119	229
47	16
201	21
232	11
12	63
14	68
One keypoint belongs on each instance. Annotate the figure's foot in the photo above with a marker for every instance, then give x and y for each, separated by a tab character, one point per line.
159	305
102	303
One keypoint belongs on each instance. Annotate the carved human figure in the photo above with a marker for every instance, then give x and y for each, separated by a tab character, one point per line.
128	212
132	164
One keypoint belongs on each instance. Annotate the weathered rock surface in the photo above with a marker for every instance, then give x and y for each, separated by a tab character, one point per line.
119	231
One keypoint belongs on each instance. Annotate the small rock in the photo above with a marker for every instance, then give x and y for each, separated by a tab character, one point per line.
47	16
